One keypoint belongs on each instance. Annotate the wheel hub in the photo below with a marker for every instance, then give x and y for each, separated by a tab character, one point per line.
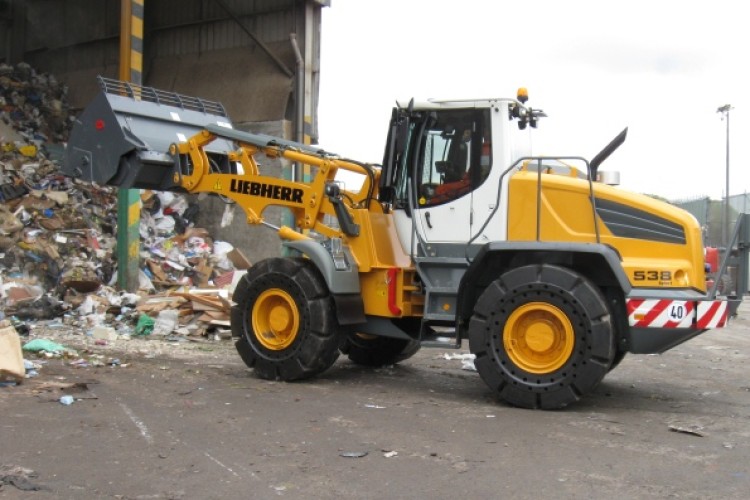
275	319
538	337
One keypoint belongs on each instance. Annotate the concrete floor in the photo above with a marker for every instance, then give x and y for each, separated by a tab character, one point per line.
194	423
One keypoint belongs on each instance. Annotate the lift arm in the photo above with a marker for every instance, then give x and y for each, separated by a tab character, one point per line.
139	137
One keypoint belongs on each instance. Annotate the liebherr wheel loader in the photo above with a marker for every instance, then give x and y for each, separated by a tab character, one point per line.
460	235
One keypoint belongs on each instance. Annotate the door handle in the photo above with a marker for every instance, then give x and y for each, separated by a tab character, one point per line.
427	219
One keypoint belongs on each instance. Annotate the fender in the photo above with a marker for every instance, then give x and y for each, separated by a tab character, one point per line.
599	262
342	283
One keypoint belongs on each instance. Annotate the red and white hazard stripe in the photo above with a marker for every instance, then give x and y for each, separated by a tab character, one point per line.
666	313
712	314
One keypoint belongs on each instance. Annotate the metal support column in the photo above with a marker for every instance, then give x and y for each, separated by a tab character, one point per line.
307	88
16	33
724	110
128	200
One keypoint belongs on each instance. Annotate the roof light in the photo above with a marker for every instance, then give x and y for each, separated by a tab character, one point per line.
522	95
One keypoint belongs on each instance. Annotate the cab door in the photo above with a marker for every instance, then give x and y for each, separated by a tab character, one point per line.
443	185
431	176
453	165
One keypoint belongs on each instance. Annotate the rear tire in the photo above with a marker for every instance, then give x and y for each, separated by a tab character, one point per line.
542	336
370	350
619	356
285	320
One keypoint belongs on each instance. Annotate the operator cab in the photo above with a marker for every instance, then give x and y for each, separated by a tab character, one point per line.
443	164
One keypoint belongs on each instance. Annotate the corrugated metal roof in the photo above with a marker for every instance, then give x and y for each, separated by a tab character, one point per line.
196	47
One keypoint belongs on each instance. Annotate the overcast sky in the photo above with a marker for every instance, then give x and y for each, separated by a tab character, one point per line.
659	67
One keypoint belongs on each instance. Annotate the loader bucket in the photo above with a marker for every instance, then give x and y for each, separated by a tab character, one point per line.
123	136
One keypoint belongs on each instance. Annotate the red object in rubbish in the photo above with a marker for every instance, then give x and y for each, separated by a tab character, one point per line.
224	279
92	241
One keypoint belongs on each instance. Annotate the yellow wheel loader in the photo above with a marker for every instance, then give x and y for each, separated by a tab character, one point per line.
549	273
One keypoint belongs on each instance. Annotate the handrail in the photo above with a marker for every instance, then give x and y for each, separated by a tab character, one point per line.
539	160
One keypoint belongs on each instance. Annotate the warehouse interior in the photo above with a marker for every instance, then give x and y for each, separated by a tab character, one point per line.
260	59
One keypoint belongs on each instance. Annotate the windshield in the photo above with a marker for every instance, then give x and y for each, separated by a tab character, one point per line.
455	157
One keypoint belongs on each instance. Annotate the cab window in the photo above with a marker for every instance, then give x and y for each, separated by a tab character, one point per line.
456	156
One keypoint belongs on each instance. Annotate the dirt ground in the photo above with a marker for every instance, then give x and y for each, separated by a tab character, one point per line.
190	421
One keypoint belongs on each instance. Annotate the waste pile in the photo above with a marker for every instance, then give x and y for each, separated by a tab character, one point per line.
58	236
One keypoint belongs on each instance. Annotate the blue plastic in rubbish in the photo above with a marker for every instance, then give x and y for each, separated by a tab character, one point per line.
36	258
30	370
49	212
67	400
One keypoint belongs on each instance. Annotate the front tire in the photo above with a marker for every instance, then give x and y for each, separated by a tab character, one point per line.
285	320
542	336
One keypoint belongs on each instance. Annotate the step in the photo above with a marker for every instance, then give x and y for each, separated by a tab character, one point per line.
446	290
441	261
448	318
436	339
441	334
441	343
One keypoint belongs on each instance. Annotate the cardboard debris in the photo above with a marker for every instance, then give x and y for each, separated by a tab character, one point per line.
208	299
203	309
155	304
238	259
11	356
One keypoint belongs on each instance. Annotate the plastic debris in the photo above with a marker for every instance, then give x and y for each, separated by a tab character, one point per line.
467	360
166	322
67	400
31	369
38	345
145	325
106	333
19	477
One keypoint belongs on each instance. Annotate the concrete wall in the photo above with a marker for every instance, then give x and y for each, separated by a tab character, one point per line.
256	242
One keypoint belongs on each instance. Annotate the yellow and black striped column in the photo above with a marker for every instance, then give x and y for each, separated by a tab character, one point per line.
129	200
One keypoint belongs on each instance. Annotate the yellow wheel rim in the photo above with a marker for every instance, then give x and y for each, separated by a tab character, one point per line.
275	319
538	338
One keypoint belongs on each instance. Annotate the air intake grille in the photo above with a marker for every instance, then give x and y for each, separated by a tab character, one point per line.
628	222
